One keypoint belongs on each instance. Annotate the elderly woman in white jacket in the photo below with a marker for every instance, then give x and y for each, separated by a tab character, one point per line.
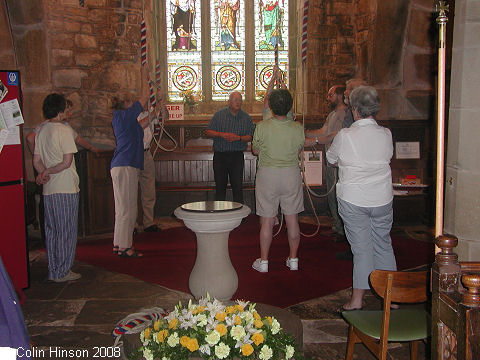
364	190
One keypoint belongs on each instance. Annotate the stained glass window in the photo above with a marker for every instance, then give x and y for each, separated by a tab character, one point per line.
221	53
227	47
184	47
271	41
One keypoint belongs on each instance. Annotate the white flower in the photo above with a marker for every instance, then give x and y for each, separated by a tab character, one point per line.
230	321
215	306
213	337
173	315
212	323
265	353
205	349
187	323
243	303
250	329
147	354
201	320
247	316
289	351
237	332
222	350
165	358
173	340
203	301
275	326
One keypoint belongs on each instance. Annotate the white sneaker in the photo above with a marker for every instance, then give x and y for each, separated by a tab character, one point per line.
69	277
292	264
260	265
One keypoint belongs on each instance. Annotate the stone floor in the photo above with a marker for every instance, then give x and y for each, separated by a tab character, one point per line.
82	314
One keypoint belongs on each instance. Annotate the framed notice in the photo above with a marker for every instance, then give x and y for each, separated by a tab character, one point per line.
407	150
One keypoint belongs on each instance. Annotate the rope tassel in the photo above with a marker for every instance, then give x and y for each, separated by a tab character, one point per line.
135	323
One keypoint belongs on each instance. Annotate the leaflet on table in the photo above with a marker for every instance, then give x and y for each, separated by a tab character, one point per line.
12	115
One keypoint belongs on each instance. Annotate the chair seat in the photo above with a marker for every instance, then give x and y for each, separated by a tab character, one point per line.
405	324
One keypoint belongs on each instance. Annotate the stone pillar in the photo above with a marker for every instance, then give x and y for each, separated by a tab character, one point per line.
462	190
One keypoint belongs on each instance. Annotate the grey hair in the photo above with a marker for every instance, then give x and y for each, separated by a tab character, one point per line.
365	100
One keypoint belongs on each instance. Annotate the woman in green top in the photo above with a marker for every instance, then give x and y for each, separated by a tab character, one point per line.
277	141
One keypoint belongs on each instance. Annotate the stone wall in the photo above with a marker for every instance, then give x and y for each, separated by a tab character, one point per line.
7	53
88	53
330	56
403	63
390	44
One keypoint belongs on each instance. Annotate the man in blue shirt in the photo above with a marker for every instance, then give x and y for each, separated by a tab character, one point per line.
231	129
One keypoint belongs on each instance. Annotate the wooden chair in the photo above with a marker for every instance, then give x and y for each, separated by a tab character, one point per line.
376	328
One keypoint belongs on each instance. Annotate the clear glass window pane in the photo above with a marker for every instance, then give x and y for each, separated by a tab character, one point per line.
228	47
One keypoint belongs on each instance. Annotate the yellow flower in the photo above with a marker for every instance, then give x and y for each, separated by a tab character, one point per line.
173	324
162	335
257	338
256	315
258	324
220	316
198	310
147	333
247	350
238	320
192	345
230	309
222	329
156	325
184	341
239	308
269	319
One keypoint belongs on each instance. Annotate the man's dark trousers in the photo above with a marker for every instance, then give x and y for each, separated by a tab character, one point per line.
228	165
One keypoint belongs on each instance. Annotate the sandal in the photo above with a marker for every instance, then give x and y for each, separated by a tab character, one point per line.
115	250
124	253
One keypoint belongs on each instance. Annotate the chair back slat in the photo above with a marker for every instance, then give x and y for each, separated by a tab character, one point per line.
407	287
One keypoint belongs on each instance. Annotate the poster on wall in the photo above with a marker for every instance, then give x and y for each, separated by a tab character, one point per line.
11	113
175	111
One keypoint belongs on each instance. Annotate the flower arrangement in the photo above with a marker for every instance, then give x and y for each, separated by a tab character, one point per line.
191	97
260	94
211	330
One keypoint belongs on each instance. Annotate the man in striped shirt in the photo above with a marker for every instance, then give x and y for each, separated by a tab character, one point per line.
231	129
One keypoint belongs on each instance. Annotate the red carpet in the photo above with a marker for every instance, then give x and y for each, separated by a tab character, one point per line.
170	256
